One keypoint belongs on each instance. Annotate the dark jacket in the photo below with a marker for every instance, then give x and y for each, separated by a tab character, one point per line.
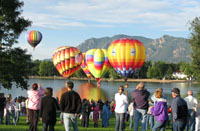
48	110
70	102
140	98
86	107
179	109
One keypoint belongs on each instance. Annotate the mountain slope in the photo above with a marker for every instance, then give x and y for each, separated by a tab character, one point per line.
167	48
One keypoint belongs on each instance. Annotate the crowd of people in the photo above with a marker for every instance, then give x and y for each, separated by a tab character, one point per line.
142	108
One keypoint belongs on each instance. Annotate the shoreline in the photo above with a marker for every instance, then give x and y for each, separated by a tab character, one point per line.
113	80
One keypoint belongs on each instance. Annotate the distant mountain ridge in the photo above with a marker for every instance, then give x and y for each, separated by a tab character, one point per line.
167	48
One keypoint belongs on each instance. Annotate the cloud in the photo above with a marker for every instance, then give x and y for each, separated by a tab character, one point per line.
168	14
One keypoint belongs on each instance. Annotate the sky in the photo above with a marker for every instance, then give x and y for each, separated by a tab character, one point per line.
71	22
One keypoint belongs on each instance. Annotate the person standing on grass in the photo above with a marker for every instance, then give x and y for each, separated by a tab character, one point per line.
48	110
96	115
2	106
121	107
192	109
34	96
10	111
179	111
85	112
160	111
70	105
17	110
140	98
131	113
106	114
27	114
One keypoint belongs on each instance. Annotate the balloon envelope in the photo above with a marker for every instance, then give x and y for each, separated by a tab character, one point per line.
126	56
67	60
97	62
34	38
85	67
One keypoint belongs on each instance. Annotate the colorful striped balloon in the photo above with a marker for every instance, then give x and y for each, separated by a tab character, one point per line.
34	38
97	62
67	60
126	56
85	67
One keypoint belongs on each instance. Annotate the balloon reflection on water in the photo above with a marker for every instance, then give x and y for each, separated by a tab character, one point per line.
86	90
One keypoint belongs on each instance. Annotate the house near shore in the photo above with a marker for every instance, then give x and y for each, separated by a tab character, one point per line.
180	75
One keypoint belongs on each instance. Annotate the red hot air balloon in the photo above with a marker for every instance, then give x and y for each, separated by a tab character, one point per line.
34	38
67	60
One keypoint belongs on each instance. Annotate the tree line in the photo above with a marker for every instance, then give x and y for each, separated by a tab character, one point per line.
149	70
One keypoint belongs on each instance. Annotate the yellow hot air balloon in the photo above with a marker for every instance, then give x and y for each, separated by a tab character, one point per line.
97	63
126	56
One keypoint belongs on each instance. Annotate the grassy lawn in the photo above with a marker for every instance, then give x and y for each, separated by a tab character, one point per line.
22	126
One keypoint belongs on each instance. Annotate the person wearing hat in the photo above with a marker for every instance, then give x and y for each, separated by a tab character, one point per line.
179	111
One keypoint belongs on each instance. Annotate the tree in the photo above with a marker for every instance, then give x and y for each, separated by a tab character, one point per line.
34	67
113	74
47	68
194	41
142	73
186	68
13	61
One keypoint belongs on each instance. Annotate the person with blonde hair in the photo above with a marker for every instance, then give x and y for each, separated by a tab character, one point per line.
160	111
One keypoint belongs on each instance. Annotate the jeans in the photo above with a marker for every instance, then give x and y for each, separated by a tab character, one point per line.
179	125
149	119
131	122
190	125
68	118
159	126
8	113
45	127
16	115
139	114
119	122
1	117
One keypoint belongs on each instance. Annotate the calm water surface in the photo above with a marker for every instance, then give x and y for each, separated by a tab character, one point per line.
108	89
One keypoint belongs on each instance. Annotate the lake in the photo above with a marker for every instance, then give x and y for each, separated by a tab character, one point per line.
107	90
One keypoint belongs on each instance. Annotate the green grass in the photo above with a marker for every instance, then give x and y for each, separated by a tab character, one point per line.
22	126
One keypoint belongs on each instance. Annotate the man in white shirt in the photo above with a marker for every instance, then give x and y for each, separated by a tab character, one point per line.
192	108
121	106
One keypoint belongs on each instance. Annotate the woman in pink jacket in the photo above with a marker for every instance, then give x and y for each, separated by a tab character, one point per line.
34	97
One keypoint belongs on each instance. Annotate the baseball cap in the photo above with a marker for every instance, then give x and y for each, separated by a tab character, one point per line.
176	90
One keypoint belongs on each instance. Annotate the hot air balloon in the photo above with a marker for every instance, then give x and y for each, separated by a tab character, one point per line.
34	38
97	62
126	56
85	67
67	60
